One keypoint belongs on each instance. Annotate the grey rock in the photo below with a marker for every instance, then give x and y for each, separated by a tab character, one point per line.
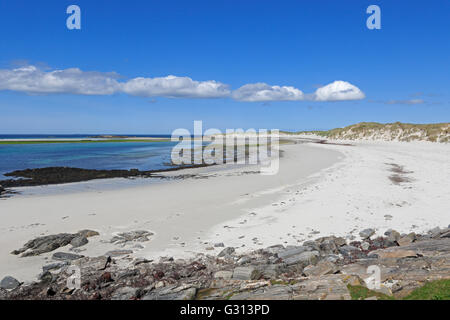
45	244
322	268
346	250
365	245
303	259
244	260
125	237
63	256
275	292
116	253
54	266
177	293
223	274
46	277
289	252
124	293
328	246
9	283
226	252
435	232
272	271
312	245
367	233
246	273
219	245
79	241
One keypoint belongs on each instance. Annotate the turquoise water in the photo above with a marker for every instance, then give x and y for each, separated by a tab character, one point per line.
111	155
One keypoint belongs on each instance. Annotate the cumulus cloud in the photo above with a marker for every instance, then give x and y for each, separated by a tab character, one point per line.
338	91
175	87
33	80
30	79
263	92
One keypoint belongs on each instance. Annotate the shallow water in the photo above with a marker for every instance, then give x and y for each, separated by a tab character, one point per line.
111	155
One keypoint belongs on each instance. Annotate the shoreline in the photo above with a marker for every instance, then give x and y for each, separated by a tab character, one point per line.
350	192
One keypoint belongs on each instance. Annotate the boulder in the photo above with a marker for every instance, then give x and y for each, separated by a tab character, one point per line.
303	259
226	252
79	241
246	273
9	283
367	233
322	268
64	256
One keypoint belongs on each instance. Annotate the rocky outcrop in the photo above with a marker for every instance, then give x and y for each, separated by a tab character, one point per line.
49	243
317	270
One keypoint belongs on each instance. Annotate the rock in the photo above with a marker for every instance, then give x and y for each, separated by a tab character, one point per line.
246	273
124	293
435	232
275	292
172	293
394	254
46	277
365	245
289	252
125	237
328	246
88	233
226	252
312	245
116	253
445	234
403	241
244	260
392	235
223	275
105	278
348	250
327	287
63	256
322	268
272	271
79	241
303	259
367	233
54	266
9	283
219	245
45	244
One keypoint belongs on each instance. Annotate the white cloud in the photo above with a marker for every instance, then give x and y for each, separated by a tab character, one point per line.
172	86
264	92
30	79
338	91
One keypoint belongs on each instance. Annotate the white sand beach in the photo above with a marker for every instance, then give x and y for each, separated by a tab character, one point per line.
321	189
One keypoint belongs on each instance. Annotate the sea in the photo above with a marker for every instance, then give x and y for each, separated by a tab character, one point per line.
112	155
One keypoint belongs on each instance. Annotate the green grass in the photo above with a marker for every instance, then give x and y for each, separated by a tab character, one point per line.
361	293
81	141
434	290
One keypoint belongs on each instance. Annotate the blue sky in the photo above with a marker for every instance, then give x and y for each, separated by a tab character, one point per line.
403	70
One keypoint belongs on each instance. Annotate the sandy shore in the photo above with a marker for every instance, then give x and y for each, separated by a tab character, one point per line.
320	189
